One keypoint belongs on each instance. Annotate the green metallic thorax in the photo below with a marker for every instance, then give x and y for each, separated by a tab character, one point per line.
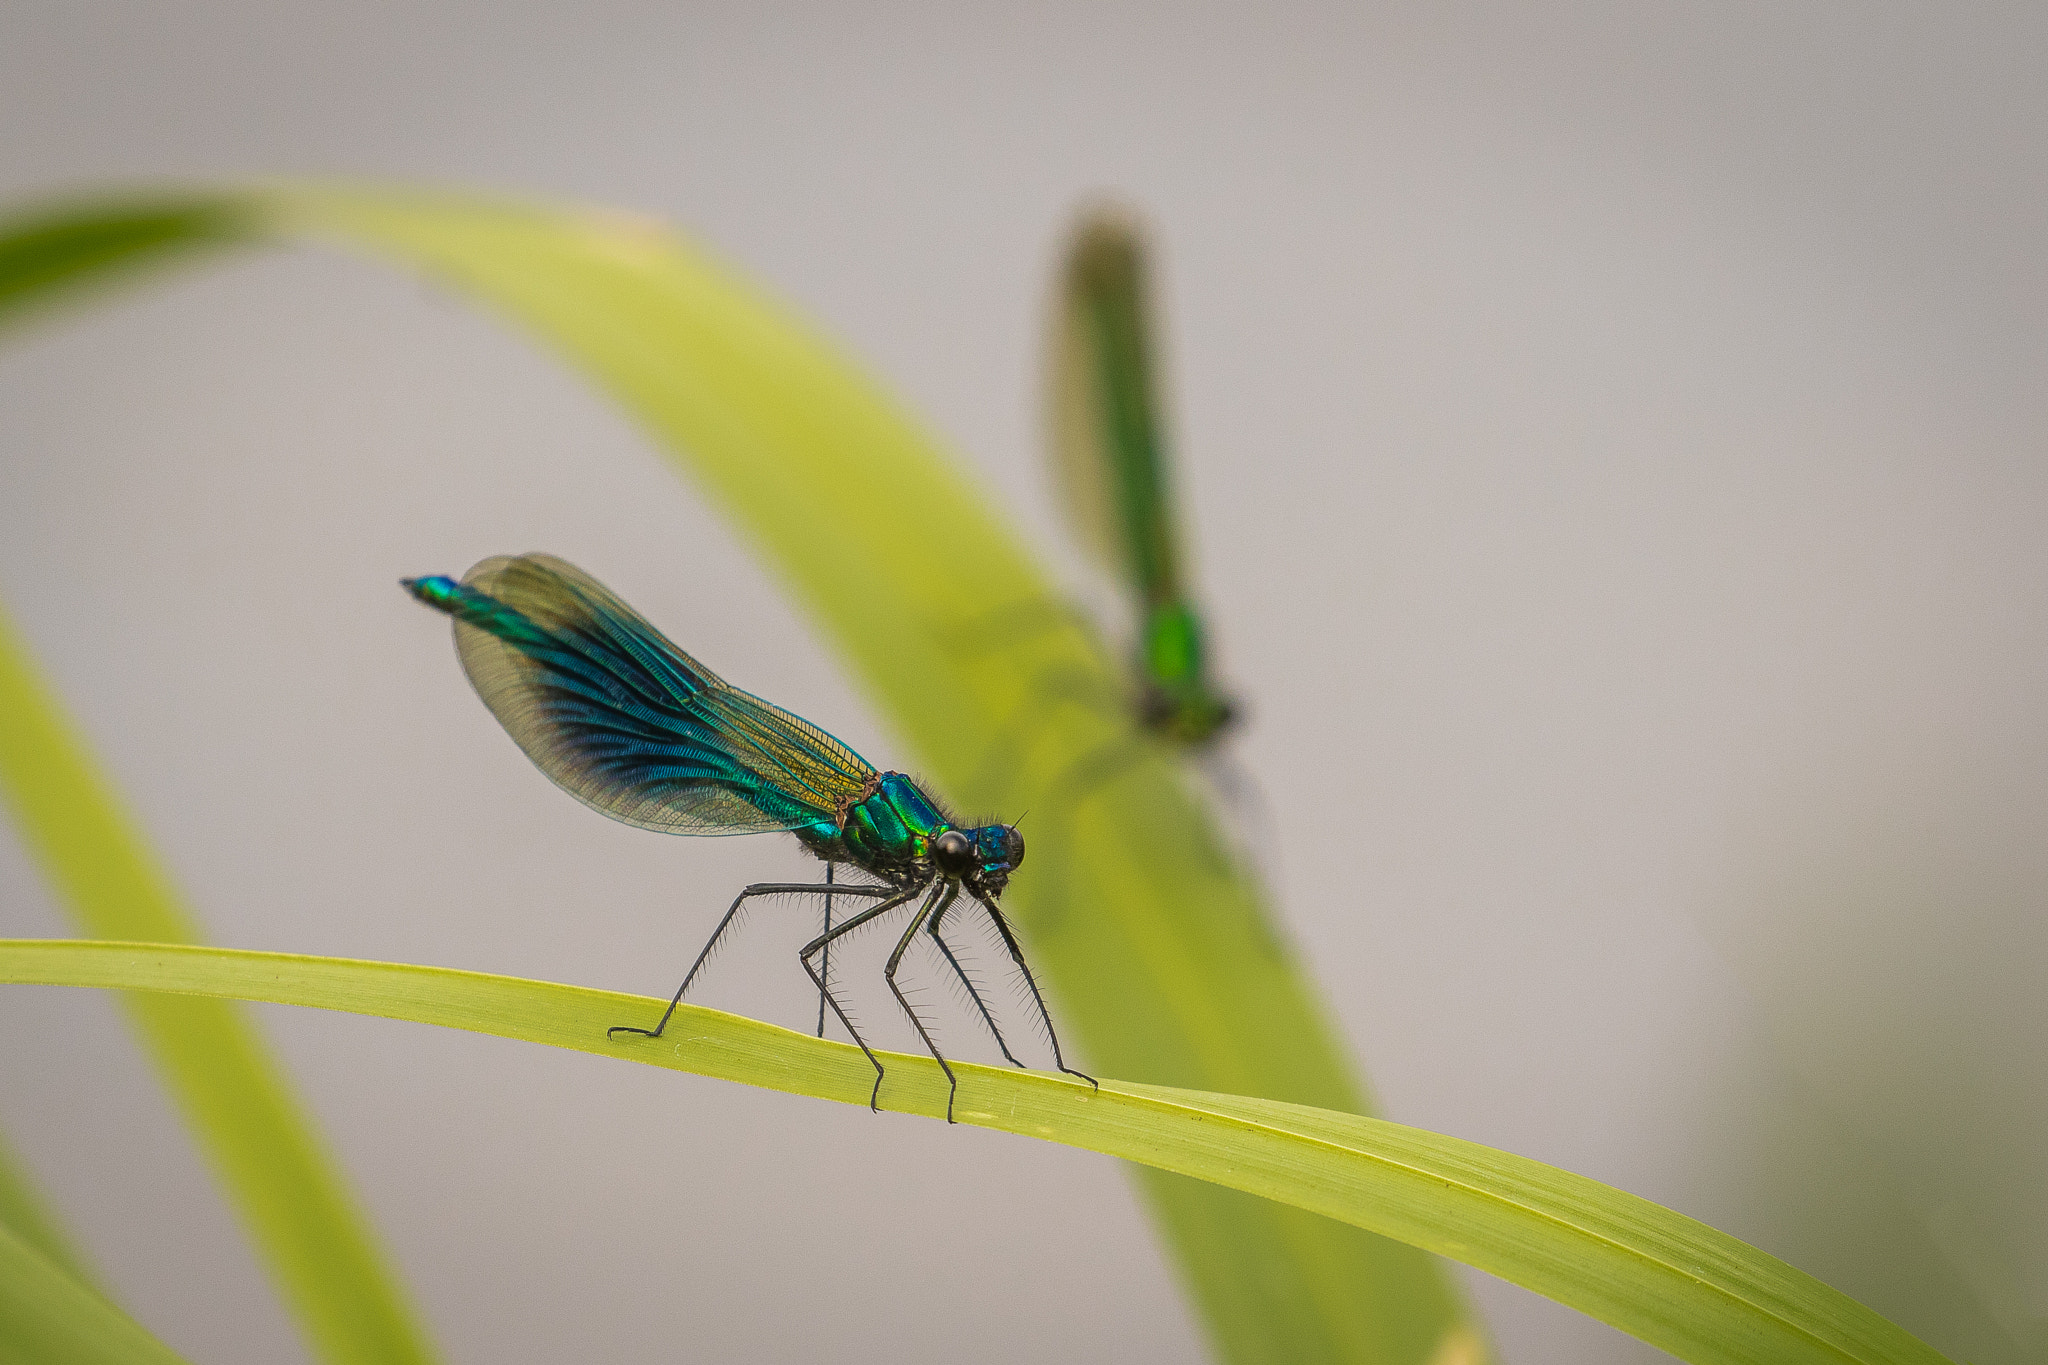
894	826
1173	646
888	832
1178	701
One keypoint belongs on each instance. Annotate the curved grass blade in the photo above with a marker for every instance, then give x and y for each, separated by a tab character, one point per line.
261	1142
1676	1283
49	1316
1159	949
90	245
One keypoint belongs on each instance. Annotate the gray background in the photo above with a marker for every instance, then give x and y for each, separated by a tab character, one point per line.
1613	437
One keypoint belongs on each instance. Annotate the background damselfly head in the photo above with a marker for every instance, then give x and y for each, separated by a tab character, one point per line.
1189	714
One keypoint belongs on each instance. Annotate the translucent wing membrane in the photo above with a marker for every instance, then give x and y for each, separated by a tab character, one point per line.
626	722
1104	411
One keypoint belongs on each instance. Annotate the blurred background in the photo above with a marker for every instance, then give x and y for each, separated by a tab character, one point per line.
1613	441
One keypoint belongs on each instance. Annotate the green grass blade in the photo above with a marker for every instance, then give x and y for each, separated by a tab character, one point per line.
1674	1282
92	244
25	1212
1163	959
49	1316
256	1134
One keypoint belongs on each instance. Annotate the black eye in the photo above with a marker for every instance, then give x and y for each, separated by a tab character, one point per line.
953	854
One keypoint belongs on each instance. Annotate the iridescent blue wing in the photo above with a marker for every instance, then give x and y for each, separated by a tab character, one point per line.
623	720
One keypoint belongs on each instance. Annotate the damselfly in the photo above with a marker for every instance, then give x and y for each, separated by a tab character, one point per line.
1109	453
632	726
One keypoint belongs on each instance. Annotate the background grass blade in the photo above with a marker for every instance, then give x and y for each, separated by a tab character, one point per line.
25	1212
1676	1283
258	1137
43	255
1165	962
48	1316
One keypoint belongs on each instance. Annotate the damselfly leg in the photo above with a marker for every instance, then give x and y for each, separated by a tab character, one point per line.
825	965
941	891
973	991
1017	955
895	898
758	889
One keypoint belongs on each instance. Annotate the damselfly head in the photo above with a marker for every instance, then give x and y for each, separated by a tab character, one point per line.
1000	846
983	858
998	849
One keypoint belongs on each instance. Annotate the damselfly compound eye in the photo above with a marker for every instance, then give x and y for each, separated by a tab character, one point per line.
953	854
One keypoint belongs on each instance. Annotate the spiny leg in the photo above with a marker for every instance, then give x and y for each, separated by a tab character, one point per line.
1017	955
803	957
938	916
948	890
825	964
757	889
